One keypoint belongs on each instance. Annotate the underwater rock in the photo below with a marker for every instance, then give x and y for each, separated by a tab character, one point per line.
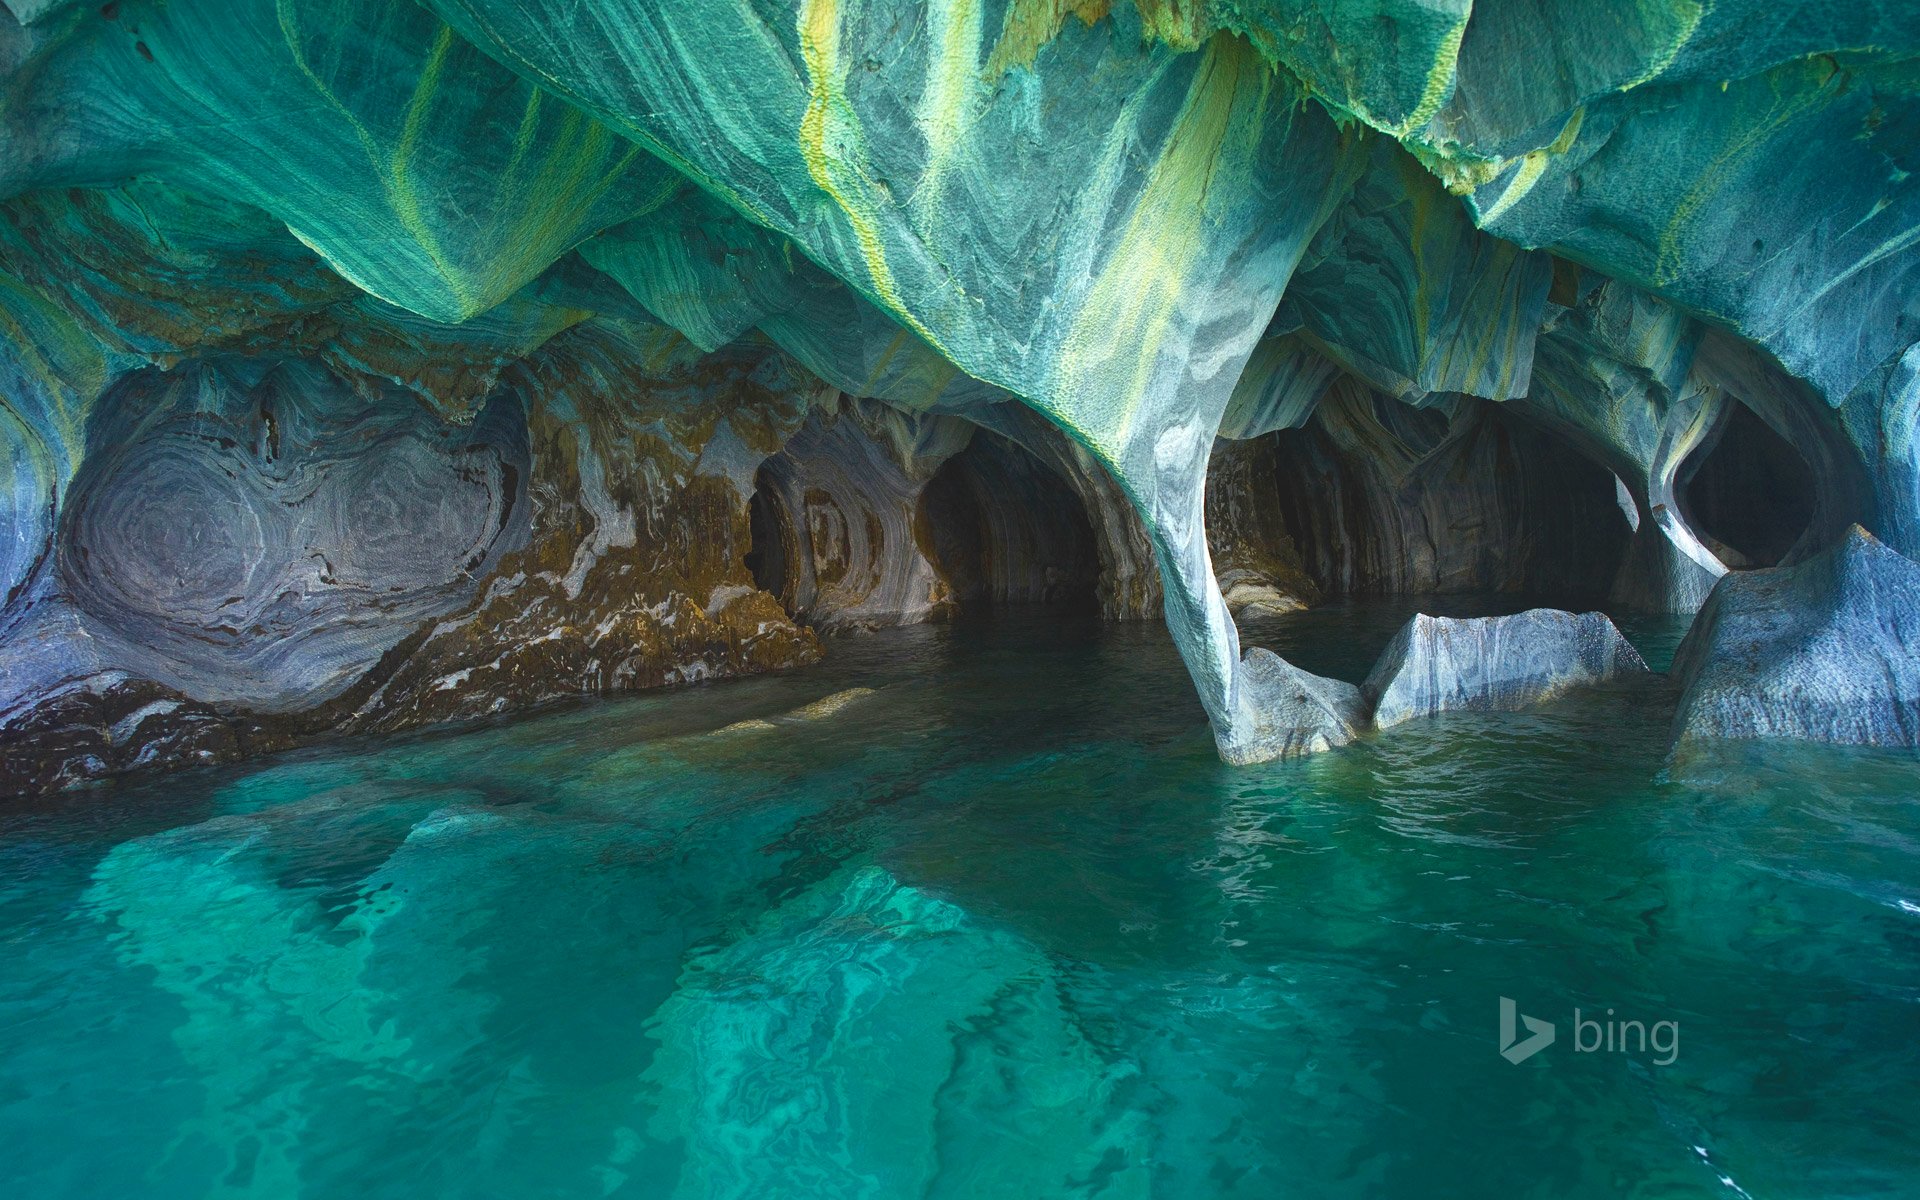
1480	664
1299	713
1826	650
867	1075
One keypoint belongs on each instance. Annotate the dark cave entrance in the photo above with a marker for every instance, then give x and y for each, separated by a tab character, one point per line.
1746	492
1378	498
1005	530
771	540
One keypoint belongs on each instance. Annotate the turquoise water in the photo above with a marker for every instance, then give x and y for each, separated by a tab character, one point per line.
999	926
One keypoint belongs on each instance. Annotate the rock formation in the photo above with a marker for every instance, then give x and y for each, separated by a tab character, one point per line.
1827	650
1309	713
370	363
1490	664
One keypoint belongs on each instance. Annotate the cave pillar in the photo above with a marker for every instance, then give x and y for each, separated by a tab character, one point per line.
1882	419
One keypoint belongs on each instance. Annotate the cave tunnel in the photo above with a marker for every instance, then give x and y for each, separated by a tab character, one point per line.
844	537
1746	492
1004	530
1376	497
771	540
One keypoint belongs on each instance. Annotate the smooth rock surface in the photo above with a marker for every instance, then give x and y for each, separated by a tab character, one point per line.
1292	713
1480	664
1827	650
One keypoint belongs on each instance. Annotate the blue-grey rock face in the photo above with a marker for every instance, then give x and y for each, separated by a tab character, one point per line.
1825	651
1301	713
1447	664
263	536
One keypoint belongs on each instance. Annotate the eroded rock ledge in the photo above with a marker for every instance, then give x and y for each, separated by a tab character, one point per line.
389	363
1824	651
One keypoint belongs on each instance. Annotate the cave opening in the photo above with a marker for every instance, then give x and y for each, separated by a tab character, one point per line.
770	540
1747	492
1379	498
1004	530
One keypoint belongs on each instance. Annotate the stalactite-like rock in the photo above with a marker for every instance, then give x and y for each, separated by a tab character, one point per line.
1824	651
1444	664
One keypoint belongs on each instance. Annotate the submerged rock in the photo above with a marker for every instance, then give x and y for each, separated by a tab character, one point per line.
1292	713
1827	650
1450	664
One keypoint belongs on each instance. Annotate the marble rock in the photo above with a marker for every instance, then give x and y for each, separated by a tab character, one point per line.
1450	664
1298	713
1826	650
549	246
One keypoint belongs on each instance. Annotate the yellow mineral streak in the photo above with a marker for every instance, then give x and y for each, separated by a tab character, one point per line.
1111	350
1687	14
1532	165
946	106
1031	24
1795	90
556	173
829	113
1182	24
51	348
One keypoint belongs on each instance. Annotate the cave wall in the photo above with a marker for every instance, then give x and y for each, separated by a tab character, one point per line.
1004	529
586	267
1375	497
257	555
844	496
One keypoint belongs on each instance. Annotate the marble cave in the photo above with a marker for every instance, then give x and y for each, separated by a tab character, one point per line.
687	504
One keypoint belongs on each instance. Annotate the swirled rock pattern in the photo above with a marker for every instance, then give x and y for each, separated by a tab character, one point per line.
366	363
262	537
843	505
1448	664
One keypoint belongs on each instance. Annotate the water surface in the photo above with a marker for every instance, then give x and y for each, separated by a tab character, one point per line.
991	920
